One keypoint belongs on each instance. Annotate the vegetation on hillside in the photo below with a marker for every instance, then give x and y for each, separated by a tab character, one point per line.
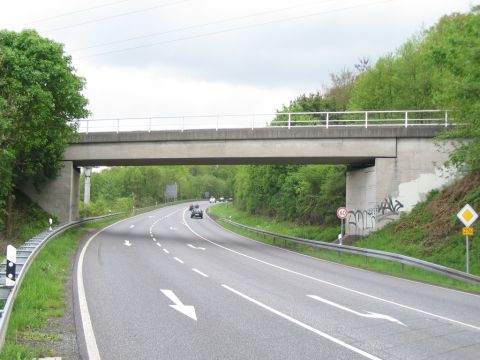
40	96
438	68
121	188
29	220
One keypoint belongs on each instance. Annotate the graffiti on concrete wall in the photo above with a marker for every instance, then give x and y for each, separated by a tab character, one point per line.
363	221
389	207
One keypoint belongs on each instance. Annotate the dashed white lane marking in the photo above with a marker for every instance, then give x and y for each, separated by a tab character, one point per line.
165	250
159	245
333	284
199	272
154	239
90	341
303	325
179	260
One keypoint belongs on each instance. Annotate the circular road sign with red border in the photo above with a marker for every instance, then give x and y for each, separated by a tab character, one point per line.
342	212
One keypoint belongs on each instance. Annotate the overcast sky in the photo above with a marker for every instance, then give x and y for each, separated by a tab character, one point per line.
195	57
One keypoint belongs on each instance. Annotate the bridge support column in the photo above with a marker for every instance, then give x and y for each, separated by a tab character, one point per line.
378	194
61	196
86	193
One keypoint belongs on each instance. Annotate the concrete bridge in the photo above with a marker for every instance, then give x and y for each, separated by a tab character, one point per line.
390	168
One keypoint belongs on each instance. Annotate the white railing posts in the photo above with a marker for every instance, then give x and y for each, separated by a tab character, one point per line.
327	119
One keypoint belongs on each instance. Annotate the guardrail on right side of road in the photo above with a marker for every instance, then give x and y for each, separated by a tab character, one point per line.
402	259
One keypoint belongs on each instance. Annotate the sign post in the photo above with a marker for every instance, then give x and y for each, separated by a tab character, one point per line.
467	216
342	213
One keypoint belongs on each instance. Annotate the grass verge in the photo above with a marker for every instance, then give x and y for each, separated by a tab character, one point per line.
378	265
41	300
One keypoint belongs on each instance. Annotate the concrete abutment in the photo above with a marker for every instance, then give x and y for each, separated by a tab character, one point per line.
378	194
61	196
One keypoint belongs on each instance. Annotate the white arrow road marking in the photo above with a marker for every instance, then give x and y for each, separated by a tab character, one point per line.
127	243
132	226
303	325
184	309
369	314
196	248
306	276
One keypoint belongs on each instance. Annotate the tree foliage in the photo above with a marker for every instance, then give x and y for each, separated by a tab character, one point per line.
438	68
40	97
120	188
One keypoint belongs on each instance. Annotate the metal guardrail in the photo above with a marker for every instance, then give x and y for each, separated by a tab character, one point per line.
25	256
326	119
30	249
402	259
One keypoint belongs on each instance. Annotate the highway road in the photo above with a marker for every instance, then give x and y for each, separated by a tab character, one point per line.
163	286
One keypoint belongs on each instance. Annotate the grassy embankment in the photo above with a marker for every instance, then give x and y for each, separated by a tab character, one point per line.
430	232
35	324
28	220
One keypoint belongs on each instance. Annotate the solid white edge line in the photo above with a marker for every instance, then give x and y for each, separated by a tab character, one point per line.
199	272
443	288
332	284
303	325
90	341
179	260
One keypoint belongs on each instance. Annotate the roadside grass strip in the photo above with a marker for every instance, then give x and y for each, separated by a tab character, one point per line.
378	265
41	300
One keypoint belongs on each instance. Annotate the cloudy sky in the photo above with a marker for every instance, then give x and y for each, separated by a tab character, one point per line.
195	57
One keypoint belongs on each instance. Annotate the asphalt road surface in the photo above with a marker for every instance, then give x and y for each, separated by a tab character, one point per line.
163	286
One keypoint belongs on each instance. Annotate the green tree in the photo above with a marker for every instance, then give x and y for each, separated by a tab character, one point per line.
453	49
40	98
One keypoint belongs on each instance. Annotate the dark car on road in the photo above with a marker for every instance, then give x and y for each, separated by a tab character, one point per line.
197	213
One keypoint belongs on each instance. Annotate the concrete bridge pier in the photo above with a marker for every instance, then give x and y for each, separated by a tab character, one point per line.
61	196
378	194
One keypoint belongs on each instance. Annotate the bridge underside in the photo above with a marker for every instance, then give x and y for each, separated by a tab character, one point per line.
390	168
351	162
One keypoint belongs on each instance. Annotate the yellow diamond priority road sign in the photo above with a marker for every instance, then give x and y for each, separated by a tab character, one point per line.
467	215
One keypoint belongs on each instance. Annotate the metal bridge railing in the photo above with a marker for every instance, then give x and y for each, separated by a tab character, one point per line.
326	119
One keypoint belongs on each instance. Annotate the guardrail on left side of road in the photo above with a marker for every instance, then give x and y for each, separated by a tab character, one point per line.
25	256
30	249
